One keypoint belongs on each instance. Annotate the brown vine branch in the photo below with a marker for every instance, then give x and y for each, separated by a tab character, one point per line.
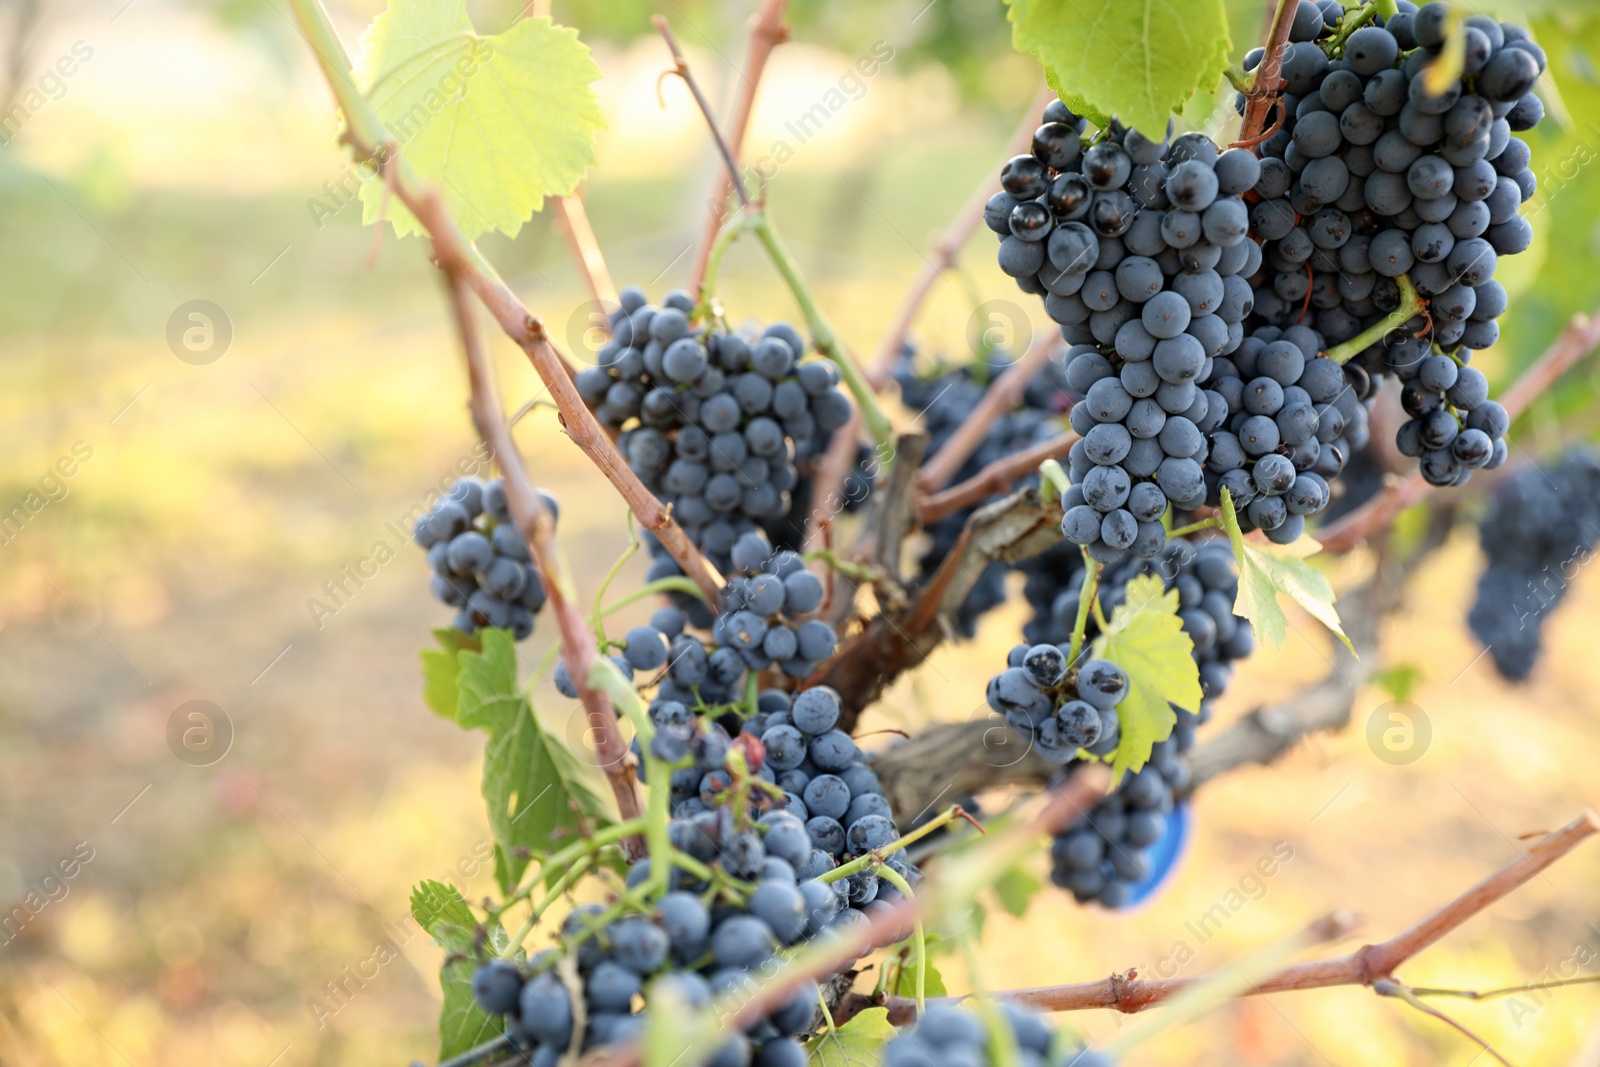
999	399
1011	529
1580	337
828	478
1128	993
586	250
682	71
368	139
1266	87
534	520
766	33
949	245
997	477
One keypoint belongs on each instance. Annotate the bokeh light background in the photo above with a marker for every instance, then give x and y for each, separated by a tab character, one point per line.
177	563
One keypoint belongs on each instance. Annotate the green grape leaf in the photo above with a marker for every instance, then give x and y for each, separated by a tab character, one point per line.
1137	59
497	123
905	978
536	789
1263	575
440	910
440	671
1015	889
858	1043
1147	641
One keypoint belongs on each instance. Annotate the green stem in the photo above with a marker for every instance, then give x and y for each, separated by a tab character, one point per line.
1489	994
1410	304
610	835
823	337
1239	78
675	583
1352	22
876	858
918	938
658	813
564	883
1212	523
1002	1042
1053	481
728	234
861	572
616	568
1086	596
752	694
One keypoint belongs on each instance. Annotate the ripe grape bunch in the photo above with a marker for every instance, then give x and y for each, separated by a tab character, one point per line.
481	564
1140	249
1058	707
1109	855
701	937
1380	179
1541	528
760	623
712	421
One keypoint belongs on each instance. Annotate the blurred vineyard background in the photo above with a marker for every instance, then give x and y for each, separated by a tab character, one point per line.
178	161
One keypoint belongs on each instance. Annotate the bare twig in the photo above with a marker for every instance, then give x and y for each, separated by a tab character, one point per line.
1577	340
997	477
1011	529
1129	993
828	478
892	511
1387	987
586	250
1266	88
366	136
949	245
534	520
767	31
682	70
999	399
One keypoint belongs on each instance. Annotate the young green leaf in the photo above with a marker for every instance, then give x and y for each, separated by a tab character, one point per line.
1137	59
1147	641
858	1043
440	910
1015	890
497	123
905	979
1264	574
440	670
537	791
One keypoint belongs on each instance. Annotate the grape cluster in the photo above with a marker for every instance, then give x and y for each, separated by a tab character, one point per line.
711	421
682	945
763	608
1059	707
481	564
1540	529
1142	254
1132	822
1295	420
1107	855
828	785
1373	178
947	1036
944	400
